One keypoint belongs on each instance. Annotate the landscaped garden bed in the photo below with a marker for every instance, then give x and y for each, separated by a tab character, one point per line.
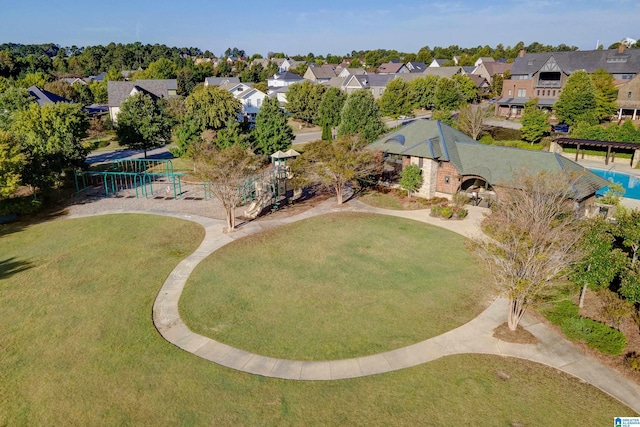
395	198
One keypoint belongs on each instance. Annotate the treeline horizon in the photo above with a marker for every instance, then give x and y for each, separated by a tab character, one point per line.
17	59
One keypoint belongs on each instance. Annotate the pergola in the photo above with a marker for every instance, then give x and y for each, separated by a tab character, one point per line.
611	146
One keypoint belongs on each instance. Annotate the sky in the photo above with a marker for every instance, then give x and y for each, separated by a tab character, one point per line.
329	26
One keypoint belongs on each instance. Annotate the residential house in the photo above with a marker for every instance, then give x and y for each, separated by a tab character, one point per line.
438	62
284	79
416	67
99	78
376	83
447	72
629	99
392	68
73	80
482	85
483	60
544	75
44	97
320	74
489	70
346	72
452	162
119	91
219	81
251	100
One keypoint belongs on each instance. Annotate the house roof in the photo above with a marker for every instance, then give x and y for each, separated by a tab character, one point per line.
612	60
442	71
433	139
390	67
171	84
478	80
494	68
438	61
119	91
286	75
322	72
45	97
217	81
372	80
416	67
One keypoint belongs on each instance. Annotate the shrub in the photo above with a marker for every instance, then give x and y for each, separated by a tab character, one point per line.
633	360
501	134
460	199
614	309
20	206
487	139
563	310
597	335
460	212
436	210
446	212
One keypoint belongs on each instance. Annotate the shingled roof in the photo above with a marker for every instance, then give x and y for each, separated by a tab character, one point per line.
45	97
435	140
119	91
612	60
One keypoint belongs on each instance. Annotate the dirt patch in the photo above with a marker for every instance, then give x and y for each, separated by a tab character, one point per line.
519	336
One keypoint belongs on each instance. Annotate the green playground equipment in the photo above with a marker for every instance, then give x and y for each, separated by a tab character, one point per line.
128	174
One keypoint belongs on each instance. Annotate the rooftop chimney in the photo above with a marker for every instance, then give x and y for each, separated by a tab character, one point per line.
522	52
622	47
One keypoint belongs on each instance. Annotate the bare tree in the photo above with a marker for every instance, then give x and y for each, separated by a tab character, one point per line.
471	119
226	170
534	238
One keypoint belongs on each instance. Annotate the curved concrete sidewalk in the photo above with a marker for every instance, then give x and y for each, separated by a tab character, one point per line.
474	337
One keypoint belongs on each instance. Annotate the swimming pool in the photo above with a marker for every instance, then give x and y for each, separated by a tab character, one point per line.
629	182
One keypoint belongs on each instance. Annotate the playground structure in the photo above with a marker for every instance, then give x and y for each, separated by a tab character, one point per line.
139	175
269	188
157	178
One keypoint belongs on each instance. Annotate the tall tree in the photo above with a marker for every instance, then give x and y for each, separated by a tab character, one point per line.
226	170
303	100
272	132
447	95
53	140
142	123
534	238
535	122
606	94
13	100
602	261
577	101
466	88
361	115
423	91
12	161
396	99
328	115
335	164
212	107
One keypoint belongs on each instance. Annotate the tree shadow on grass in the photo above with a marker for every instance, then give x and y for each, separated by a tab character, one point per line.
11	266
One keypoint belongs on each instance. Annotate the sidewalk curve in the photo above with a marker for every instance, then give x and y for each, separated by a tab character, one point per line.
476	336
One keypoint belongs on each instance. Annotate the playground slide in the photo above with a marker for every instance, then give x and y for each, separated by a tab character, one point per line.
264	198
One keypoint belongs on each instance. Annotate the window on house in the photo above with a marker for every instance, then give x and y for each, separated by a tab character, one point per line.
248	103
420	163
554	92
509	92
258	102
522	93
628	95
538	92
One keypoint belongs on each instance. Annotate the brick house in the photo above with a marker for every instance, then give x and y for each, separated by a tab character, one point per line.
452	162
544	75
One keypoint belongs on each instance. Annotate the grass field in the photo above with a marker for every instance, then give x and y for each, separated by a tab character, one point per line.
335	286
78	348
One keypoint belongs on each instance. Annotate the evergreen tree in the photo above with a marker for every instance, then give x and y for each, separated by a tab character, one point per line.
535	122
328	115
396	99
142	123
272	132
361	115
577	101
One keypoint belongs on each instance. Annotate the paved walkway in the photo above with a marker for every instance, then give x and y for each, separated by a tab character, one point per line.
474	337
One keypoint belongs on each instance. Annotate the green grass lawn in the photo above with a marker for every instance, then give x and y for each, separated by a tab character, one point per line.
336	286
78	348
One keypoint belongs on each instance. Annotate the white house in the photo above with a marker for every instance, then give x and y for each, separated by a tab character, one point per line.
251	100
283	79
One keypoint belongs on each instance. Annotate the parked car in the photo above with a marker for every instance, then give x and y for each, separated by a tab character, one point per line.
561	128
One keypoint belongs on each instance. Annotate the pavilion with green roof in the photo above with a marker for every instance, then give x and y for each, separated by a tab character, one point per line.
451	162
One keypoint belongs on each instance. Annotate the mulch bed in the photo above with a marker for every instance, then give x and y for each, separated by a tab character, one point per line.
519	336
